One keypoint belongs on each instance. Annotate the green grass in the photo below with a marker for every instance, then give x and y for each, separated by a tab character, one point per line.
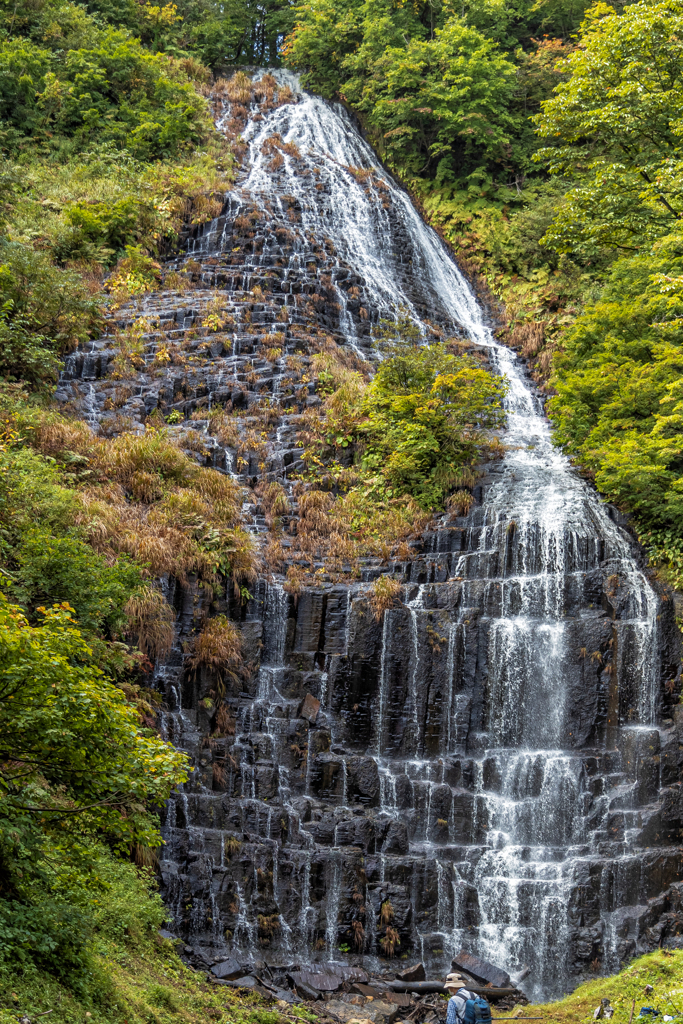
662	969
137	981
142	981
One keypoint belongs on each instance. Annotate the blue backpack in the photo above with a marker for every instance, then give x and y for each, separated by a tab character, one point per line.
477	1011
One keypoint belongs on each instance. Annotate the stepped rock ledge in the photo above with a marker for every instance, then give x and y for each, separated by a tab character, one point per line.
499	758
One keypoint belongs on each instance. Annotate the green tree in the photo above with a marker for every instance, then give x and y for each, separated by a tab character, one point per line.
440	105
55	303
70	744
144	102
58	569
75	768
618	407
44	313
435	89
325	34
615	126
23	67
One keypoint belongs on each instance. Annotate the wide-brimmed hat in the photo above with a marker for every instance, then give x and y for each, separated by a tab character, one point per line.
454	982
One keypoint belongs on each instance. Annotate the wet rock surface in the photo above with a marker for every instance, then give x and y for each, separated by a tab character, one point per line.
340	992
495	765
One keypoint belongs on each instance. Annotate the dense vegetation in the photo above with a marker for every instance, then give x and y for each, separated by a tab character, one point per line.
108	151
134	976
86	525
416	429
383	453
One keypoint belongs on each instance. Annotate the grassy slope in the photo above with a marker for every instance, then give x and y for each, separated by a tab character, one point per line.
141	981
662	969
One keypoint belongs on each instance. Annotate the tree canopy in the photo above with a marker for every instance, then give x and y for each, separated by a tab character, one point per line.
616	124
445	93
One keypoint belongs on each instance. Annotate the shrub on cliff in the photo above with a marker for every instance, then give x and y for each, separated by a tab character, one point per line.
421	425
384	455
429	416
44	313
217	648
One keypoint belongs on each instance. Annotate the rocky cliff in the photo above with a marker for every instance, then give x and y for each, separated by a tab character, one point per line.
493	762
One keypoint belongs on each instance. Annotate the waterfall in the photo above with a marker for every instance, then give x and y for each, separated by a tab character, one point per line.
497	789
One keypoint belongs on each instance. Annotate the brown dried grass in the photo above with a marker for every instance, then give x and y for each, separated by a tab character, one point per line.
459	503
169	535
384	593
53	435
225	428
150	622
176	282
153	452
285	95
146	487
390	941
386	913
146	856
225	723
217	649
314	522
528	337
545	359
273	498
238	89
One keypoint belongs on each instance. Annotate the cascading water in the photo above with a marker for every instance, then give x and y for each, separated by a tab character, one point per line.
493	761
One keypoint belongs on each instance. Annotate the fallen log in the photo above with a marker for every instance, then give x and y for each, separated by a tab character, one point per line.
416	986
437	986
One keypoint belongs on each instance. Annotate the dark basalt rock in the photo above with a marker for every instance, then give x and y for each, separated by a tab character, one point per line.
494	764
310	708
320	982
479	969
416	973
228	969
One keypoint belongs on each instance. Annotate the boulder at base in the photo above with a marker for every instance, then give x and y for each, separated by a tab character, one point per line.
480	970
416	973
228	969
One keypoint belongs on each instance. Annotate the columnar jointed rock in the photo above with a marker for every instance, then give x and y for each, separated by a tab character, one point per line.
495	765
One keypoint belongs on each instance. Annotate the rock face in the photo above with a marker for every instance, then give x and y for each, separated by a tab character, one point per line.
495	765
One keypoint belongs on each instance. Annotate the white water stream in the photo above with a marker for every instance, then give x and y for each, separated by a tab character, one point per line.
540	530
